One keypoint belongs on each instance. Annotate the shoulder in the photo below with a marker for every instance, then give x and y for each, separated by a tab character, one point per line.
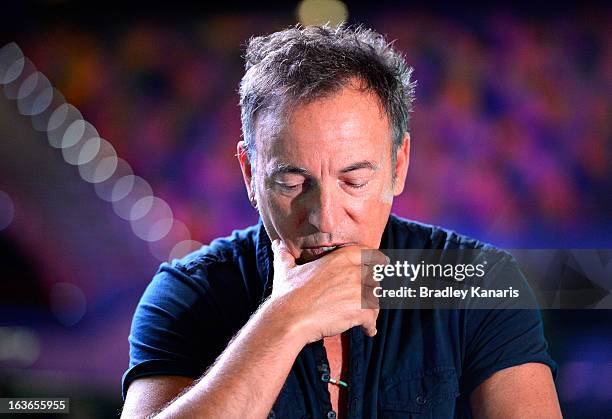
192	307
406	233
239	245
435	244
225	269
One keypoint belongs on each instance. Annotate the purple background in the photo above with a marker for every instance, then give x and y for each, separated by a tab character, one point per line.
512	144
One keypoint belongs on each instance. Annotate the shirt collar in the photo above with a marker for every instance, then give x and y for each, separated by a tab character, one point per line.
265	258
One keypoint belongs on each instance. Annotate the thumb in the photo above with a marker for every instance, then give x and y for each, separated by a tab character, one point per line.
283	259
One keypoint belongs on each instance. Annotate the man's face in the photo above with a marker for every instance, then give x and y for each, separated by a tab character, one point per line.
324	178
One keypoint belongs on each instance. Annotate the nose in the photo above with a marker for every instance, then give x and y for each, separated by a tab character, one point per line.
325	207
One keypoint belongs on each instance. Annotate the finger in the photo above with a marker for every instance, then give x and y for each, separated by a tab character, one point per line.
369	330
374	257
283	259
361	255
369	324
368	299
368	288
368	276
368	296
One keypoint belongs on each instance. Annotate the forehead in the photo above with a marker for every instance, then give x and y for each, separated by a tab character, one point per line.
347	125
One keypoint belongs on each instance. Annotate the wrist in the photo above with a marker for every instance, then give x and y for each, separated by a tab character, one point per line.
284	322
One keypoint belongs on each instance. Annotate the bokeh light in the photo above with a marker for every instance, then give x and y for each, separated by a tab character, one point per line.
128	191
84	151
161	249
74	136
60	120
40	120
183	248
319	12
151	218
35	94
19	346
12	62
7	210
101	166
12	90
105	189
68	303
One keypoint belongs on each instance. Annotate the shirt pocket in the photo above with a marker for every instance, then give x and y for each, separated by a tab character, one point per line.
426	394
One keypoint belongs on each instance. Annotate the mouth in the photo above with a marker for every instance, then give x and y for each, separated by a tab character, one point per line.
311	253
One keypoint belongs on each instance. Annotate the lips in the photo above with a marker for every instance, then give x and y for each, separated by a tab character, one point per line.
314	252
323	246
337	244
319	249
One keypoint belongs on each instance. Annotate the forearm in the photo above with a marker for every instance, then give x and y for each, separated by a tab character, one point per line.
248	376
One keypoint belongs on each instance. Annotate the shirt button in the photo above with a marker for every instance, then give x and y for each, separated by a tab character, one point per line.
325	377
331	415
420	399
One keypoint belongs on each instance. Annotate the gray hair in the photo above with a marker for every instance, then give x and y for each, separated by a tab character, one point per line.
300	64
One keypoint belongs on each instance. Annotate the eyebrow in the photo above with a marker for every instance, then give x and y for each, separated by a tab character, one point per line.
360	165
283	168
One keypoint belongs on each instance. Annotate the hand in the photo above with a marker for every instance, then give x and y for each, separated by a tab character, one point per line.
325	296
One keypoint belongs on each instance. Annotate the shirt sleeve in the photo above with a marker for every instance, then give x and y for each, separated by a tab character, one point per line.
505	336
180	325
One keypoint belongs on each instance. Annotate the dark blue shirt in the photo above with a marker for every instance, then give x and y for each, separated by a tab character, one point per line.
421	363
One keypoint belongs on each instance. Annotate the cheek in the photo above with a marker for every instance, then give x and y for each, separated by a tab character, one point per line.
380	199
284	212
371	215
386	195
277	208
365	209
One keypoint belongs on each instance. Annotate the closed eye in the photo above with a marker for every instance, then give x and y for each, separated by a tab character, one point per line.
288	187
356	185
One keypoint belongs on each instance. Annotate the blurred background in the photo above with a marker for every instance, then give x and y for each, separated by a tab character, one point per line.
512	144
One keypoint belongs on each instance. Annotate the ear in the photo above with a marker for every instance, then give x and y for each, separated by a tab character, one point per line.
401	165
245	166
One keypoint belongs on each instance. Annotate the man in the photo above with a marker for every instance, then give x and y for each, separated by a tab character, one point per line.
269	322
